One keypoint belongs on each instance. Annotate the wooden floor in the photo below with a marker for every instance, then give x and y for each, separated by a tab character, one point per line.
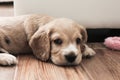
105	65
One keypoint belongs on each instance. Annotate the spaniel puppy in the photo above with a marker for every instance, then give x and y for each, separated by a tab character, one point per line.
61	40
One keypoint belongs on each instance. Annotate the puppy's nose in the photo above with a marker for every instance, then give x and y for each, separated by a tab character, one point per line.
70	57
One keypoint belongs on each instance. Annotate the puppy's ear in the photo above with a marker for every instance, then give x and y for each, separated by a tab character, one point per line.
84	33
40	45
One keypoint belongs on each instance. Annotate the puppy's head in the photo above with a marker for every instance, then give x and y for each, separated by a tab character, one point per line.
60	40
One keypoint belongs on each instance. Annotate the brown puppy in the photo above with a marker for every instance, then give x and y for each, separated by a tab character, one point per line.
62	40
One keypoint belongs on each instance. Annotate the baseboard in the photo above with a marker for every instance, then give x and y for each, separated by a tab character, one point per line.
98	35
6	3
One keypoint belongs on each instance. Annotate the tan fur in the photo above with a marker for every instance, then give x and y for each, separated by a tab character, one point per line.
40	45
36	33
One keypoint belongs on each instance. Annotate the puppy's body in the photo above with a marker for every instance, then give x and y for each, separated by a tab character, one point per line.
14	32
35	33
12	35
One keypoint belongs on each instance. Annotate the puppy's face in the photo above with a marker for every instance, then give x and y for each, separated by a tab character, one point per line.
66	43
60	40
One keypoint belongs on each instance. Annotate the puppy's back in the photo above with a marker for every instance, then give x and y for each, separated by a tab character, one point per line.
12	34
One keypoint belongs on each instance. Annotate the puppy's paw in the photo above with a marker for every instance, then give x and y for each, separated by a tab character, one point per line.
7	59
89	52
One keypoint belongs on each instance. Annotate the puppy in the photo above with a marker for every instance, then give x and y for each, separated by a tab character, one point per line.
59	39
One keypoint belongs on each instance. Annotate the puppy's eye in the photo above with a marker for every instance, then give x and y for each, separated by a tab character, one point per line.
78	40
58	41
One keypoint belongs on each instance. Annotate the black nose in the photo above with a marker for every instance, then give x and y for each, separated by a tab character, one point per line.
70	57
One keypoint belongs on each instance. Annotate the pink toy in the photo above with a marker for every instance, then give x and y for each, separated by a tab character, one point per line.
113	43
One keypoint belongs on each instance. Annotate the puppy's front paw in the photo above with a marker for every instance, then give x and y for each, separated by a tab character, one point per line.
7	59
89	52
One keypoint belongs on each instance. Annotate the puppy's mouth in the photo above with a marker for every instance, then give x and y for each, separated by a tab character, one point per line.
63	63
66	64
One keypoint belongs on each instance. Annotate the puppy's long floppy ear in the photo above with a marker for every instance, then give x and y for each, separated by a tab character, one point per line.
84	33
40	45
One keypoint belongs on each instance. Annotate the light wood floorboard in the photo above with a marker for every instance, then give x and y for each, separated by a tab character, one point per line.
105	65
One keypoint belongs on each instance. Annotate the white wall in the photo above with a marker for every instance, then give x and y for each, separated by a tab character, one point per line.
90	13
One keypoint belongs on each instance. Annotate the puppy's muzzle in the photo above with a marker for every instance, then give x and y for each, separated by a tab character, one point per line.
70	57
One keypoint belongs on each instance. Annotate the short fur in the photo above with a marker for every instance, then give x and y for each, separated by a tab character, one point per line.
36	33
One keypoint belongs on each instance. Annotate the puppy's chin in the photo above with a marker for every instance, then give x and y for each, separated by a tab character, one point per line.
63	62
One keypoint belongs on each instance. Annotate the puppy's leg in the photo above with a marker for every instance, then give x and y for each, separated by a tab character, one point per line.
7	59
88	51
